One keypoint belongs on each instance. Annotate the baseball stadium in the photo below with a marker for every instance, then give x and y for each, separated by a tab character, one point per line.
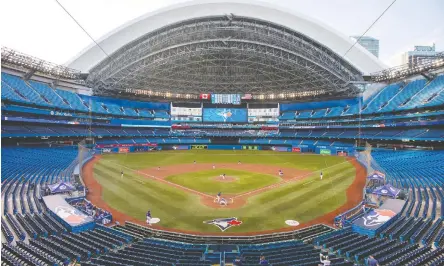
222	133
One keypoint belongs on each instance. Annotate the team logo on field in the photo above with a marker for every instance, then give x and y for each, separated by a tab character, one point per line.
224	223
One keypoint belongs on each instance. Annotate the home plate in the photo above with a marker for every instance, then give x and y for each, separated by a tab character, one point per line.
154	220
292	222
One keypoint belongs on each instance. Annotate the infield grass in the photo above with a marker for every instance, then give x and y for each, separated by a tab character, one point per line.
203	181
303	200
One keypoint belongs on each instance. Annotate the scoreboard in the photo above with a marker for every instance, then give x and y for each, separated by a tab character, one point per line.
226	99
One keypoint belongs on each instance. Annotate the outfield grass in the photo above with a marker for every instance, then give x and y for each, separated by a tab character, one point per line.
303	201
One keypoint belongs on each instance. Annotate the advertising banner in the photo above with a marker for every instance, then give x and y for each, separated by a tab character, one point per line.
175	147
199	147
325	151
106	150
277	148
244	147
100	146
342	153
296	149
124	150
181	147
143	148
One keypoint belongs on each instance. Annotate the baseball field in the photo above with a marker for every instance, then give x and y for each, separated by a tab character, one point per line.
180	188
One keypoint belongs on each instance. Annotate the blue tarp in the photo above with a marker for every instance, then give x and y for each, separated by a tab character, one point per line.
61	187
373	222
387	190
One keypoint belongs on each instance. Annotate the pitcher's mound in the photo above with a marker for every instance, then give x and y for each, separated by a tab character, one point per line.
225	179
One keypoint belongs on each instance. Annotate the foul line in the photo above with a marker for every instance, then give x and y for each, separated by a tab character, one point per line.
287	181
164	181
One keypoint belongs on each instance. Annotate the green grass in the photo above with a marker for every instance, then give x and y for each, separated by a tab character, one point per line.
203	181
303	201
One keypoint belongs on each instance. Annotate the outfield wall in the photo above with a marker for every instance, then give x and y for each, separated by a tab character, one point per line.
129	148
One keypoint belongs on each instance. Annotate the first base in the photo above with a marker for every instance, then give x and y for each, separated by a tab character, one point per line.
154	220
292	222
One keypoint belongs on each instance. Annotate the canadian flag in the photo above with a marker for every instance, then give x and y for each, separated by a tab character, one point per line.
205	96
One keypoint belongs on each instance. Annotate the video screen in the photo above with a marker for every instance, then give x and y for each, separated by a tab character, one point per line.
225	115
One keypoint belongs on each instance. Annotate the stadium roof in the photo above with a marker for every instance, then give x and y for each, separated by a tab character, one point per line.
233	46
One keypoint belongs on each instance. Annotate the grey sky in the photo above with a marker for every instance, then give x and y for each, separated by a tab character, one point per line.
42	29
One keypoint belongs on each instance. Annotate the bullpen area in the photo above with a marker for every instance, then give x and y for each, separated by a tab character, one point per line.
181	189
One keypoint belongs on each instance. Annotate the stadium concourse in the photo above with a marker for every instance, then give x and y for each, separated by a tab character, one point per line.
211	80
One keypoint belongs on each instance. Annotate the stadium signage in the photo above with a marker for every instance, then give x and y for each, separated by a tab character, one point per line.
100	146
296	149
124	150
60	113
325	151
199	147
342	153
250	147
106	150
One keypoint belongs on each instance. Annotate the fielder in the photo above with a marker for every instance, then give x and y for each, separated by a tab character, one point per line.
214	167
218	197
148	217
238	162
194	162
281	173
121	174
321	175
158	167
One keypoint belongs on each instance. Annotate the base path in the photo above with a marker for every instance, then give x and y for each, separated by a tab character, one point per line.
354	193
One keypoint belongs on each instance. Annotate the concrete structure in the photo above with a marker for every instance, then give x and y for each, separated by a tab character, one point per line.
419	55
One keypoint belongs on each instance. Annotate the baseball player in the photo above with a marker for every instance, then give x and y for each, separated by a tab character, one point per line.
148	217
158	167
223	176
121	174
238	162
214	167
218	197
194	162
321	175
223	202
281	173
